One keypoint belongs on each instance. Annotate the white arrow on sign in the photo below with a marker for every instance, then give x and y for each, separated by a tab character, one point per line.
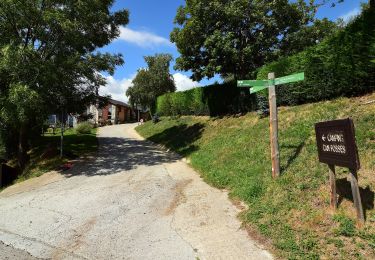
323	138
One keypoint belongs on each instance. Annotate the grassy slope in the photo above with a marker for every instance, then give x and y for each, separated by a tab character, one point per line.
293	211
74	144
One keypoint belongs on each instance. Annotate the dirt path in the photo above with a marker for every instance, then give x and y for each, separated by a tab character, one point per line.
132	201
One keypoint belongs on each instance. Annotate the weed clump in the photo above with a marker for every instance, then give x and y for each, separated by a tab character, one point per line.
346	226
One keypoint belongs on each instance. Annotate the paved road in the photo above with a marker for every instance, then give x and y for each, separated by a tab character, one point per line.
130	201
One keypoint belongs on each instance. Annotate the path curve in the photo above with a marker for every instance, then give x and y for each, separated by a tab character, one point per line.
131	201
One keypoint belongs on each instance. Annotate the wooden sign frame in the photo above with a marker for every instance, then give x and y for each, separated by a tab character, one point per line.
337	146
337	152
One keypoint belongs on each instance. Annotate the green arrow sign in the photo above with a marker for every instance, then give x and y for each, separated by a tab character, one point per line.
258	85
290	78
252	83
256	89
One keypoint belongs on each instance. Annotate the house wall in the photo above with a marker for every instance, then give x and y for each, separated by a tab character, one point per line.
121	115
105	113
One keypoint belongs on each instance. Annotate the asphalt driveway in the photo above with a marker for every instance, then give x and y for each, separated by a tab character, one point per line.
132	200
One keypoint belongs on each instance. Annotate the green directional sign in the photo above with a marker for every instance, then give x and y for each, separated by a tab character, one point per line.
290	78
256	89
252	83
258	85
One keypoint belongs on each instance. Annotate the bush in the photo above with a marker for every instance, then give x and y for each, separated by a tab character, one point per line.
339	66
212	100
84	128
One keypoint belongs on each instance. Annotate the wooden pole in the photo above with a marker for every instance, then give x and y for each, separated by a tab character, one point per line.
275	156
356	195
332	181
62	134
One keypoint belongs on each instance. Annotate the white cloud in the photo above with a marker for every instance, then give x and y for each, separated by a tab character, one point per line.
143	38
183	82
116	88
351	14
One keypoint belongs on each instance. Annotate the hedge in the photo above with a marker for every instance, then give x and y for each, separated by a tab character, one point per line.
339	66
212	100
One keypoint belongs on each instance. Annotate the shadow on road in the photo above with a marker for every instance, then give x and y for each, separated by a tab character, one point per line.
121	154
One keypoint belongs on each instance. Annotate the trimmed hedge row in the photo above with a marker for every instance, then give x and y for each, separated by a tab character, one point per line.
339	66
212	100
342	65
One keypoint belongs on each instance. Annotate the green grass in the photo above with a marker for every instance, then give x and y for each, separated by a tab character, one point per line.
75	145
293	211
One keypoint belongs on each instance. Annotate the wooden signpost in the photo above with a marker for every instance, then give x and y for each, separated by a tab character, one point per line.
271	83
337	147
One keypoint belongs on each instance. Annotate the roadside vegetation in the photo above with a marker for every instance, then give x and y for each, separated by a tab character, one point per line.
84	128
45	155
292	213
2	149
50	64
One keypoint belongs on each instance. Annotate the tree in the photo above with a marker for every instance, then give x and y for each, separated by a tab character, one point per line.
49	47
308	35
151	82
237	37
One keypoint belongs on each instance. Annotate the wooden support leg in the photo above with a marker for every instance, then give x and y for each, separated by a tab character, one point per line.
356	196
332	181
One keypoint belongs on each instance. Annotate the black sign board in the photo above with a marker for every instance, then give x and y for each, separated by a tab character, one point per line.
336	143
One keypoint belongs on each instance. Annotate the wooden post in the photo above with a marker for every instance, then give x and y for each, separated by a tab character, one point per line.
62	134
332	182
275	156
356	195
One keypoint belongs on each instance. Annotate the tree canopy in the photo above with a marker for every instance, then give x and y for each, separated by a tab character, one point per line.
49	49
237	37
151	82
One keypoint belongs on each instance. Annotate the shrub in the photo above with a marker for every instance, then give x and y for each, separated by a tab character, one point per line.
212	100
339	66
84	128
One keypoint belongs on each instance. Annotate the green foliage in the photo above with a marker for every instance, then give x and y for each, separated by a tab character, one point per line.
346	226
51	48
20	106
237	37
212	100
152	82
339	66
307	36
84	128
2	149
74	144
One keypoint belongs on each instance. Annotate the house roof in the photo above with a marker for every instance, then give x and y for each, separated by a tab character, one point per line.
118	103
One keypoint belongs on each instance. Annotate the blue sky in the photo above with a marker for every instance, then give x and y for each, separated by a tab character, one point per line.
148	33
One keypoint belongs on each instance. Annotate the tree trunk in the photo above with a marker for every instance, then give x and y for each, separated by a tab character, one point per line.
22	148
372	3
